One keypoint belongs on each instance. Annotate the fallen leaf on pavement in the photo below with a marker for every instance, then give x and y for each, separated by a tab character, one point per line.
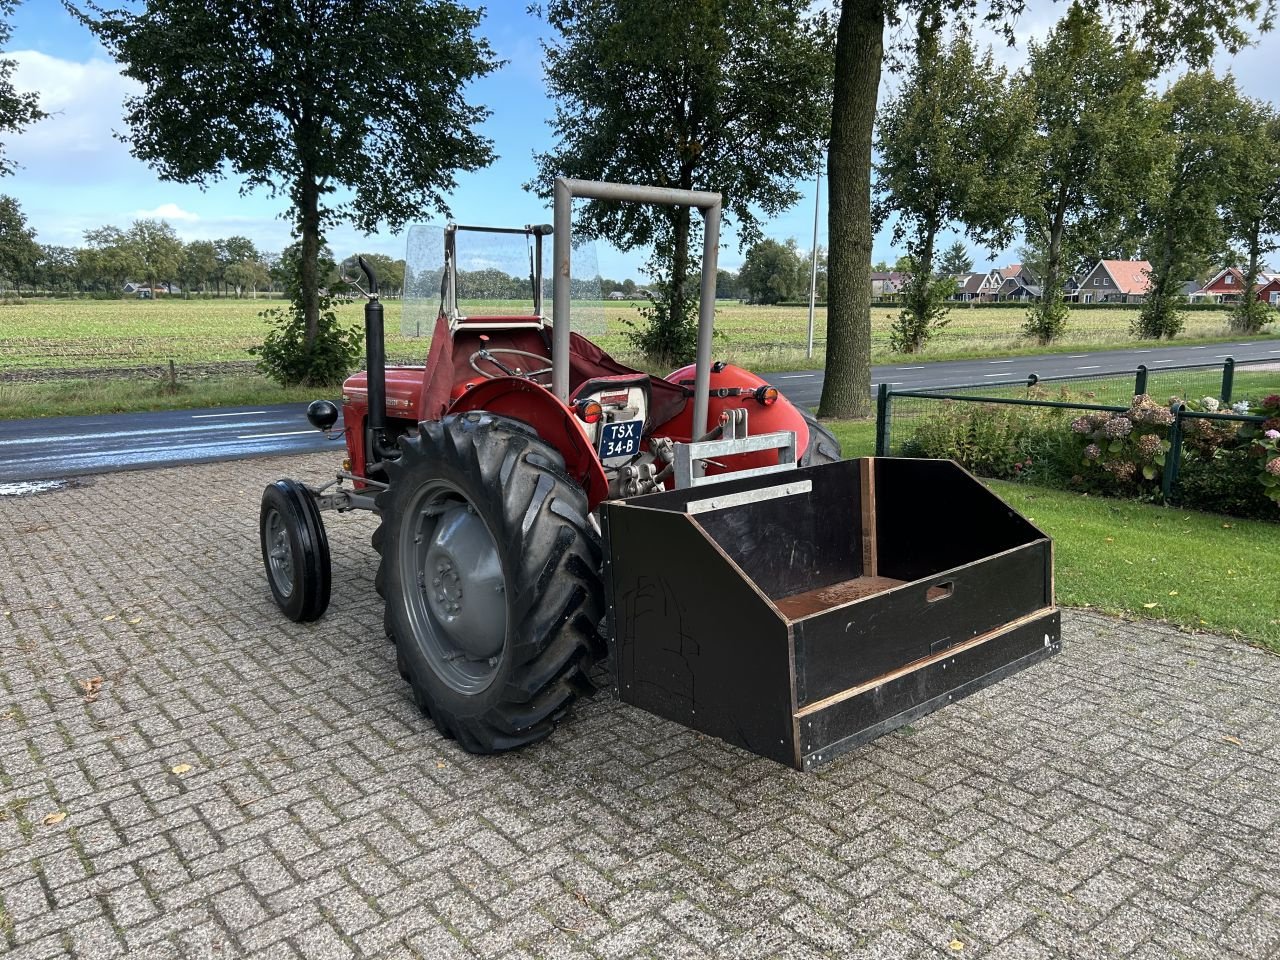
956	945
181	769
53	819
1234	740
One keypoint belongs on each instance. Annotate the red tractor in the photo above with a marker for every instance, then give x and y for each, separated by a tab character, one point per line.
497	469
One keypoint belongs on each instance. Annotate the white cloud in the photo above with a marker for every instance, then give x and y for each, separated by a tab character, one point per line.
168	211
84	101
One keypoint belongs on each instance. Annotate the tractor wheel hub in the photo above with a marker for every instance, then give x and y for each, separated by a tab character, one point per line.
460	574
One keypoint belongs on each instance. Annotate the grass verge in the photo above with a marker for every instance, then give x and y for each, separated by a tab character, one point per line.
1202	571
20	401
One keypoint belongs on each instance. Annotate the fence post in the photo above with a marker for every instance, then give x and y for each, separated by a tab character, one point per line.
1173	459
882	420
1140	381
1228	378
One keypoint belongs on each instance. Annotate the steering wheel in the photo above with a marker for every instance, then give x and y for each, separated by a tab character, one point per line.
491	356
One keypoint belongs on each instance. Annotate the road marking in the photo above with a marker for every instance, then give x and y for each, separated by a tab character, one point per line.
1164	361
999	361
908	368
1094	367
795	376
1197	348
1275	351
263	436
1144	351
1077	356
206	416
993	374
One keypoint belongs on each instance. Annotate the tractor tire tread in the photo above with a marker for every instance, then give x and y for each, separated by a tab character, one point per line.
552	557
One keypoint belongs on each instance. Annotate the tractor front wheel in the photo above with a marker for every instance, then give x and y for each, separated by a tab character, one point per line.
489	567
295	550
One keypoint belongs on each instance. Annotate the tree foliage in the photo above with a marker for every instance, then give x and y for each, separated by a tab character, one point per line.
353	109
1089	155
773	272
1190	32
727	95
1252	205
17	110
947	143
18	249
1181	217
955	260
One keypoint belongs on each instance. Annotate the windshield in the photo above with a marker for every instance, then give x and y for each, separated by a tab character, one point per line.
495	277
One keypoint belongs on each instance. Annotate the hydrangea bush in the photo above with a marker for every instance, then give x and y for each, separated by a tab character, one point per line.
1123	449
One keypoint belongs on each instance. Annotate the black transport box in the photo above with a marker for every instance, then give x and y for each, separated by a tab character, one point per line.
800	614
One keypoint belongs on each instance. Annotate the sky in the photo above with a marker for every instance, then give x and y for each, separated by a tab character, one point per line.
75	174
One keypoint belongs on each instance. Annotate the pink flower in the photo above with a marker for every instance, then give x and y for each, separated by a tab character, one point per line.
1272	434
1273	466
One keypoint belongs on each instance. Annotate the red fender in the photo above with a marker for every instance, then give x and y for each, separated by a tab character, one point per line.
523	400
780	415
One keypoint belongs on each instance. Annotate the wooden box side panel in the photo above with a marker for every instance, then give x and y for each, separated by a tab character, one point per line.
693	640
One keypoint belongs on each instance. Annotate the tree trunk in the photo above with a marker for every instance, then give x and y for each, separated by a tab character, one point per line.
1245	313
309	269
679	266
846	389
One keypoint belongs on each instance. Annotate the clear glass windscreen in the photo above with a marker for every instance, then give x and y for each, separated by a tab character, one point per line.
495	279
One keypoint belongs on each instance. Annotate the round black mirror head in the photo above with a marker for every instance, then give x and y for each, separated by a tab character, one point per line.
349	271
322	414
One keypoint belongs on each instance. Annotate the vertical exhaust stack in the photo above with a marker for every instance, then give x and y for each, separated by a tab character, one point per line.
376	365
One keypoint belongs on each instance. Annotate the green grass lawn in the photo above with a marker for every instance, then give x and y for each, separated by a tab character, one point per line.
103	333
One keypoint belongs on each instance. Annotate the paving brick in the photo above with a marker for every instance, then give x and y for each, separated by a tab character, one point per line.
1089	807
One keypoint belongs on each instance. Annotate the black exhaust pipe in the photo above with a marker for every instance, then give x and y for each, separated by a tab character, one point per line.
375	367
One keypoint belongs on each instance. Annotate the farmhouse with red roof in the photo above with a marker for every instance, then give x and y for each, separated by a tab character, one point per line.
1116	281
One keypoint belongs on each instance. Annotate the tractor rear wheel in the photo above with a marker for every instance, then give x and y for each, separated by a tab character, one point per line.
823	447
490	570
295	550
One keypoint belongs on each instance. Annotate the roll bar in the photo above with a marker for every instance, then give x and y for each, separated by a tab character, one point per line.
708	203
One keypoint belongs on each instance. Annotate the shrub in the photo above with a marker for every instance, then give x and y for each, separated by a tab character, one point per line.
287	358
991	440
664	337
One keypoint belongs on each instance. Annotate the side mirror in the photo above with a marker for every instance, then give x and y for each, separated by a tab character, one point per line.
349	271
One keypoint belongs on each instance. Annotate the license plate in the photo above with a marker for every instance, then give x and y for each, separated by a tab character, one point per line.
620	439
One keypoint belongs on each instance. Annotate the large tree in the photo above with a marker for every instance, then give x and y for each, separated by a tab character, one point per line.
17	110
158	249
19	252
773	272
353	109
1252	206
955	260
1090	154
727	95
1182	216
1191	31
948	153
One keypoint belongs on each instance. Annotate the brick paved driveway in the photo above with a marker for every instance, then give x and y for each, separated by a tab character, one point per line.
1119	801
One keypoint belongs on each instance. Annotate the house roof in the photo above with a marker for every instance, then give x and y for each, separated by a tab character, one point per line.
969	282
1012	270
1130	276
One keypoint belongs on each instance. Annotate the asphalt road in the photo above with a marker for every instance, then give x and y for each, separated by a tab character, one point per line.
75	446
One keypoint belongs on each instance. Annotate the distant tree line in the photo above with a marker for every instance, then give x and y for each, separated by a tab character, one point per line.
150	255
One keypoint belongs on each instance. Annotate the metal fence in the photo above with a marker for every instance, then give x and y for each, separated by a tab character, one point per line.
1055	401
